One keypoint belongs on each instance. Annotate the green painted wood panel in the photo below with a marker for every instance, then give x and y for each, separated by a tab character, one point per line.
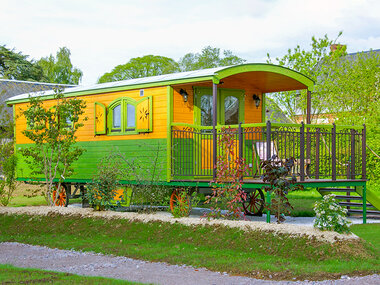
144	153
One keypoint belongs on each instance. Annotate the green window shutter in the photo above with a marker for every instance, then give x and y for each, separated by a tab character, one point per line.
144	115
100	118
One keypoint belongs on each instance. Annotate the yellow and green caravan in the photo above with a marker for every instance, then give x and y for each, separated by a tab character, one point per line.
184	114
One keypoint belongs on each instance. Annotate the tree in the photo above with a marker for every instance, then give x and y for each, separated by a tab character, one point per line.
14	65
52	129
59	69
307	62
209	57
148	65
7	158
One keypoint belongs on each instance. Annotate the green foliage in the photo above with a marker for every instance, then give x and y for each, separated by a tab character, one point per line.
151	65
184	203
8	181
148	65
53	133
15	65
59	69
227	188
330	216
306	62
275	173
102	190
8	160
209	57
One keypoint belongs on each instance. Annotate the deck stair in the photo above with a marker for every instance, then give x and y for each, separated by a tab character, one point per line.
351	199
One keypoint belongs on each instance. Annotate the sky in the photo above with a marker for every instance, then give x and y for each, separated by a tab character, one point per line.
102	34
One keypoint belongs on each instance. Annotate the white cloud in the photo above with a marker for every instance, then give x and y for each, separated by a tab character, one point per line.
102	34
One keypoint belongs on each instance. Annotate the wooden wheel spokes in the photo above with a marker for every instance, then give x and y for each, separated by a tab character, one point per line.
176	199
60	198
254	204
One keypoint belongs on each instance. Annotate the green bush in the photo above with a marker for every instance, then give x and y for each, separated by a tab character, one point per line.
101	191
8	182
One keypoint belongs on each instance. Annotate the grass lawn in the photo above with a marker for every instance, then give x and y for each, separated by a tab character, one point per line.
256	254
370	233
303	202
15	275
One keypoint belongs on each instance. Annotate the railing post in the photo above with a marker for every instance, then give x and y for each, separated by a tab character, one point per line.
269	134
240	131
364	153
214	123
317	138
302	152
352	168
333	152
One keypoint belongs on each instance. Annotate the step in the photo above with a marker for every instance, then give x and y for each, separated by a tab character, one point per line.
348	197
373	212
353	204
336	190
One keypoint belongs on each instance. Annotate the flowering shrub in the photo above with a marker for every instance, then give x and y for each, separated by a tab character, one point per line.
227	189
330	216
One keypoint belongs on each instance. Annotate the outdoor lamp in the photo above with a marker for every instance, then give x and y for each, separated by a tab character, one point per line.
184	94
256	99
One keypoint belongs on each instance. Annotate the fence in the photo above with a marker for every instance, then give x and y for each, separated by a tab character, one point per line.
320	151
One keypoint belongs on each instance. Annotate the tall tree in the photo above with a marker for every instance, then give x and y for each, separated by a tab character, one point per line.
59	69
209	57
15	65
149	65
307	62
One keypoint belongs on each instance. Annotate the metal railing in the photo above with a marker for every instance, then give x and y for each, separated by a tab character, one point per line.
320	151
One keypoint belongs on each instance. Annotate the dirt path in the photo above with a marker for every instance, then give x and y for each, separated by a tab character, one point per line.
91	264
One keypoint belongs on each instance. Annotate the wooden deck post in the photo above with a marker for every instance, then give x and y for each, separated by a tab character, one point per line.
214	122
302	152
269	134
240	131
317	142
308	108
352	168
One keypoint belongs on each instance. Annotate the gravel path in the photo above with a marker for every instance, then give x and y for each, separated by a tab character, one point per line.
91	264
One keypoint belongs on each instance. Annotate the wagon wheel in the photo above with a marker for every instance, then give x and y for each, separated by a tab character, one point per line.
175	200
254	204
61	198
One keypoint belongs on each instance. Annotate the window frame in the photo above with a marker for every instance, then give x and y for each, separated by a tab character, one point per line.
123	102
222	94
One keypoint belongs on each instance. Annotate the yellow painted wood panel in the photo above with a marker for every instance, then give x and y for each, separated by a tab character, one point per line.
87	132
183	112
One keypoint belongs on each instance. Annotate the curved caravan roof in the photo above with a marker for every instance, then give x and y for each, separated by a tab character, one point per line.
267	77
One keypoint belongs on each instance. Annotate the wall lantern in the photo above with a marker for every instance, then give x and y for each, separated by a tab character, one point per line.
256	99
184	94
